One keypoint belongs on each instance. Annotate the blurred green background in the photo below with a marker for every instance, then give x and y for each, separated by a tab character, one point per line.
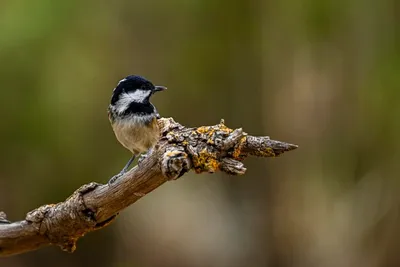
321	74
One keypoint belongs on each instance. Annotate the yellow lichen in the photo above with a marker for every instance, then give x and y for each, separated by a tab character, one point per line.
203	129
225	129
171	154
210	130
238	148
205	161
268	152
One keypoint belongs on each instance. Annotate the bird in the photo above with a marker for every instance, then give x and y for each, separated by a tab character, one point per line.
133	118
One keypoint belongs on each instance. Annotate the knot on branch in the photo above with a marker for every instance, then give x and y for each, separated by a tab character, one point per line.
64	223
3	217
175	163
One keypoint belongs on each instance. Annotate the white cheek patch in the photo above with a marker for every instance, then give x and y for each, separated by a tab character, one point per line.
139	95
126	99
122	104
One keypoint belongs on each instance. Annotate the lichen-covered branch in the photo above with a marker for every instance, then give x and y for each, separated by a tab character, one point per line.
93	206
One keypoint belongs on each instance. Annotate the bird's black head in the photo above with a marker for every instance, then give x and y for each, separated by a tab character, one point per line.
131	97
134	88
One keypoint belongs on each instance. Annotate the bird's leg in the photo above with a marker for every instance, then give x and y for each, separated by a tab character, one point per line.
123	171
145	155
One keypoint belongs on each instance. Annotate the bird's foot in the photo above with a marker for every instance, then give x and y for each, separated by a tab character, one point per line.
141	158
145	155
114	178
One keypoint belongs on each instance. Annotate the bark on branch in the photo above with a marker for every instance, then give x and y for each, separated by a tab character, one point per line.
93	206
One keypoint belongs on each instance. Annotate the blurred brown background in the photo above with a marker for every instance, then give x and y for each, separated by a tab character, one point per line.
321	74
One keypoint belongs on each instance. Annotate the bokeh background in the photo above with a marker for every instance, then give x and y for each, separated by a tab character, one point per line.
321	74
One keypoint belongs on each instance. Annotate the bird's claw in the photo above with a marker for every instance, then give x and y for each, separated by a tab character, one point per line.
145	155
142	157
114	178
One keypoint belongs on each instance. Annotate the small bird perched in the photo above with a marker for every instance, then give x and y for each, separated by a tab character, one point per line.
133	118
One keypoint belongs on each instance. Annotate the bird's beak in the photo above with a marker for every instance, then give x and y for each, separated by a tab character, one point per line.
159	88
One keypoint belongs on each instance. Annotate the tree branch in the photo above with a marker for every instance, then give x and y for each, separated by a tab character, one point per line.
93	206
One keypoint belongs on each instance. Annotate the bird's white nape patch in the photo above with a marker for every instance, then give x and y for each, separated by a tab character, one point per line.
125	99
